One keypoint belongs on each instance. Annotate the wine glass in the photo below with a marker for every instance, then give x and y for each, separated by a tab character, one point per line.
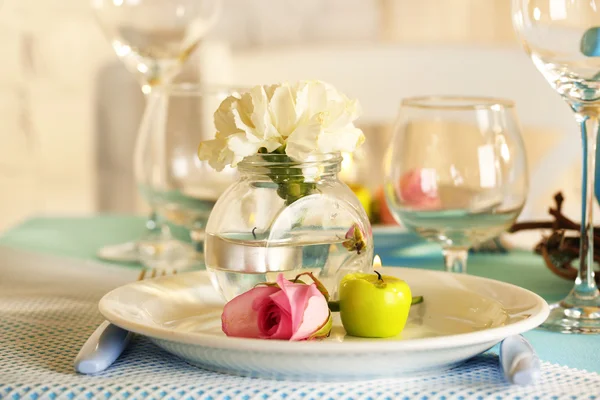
562	37
153	38
169	175
455	172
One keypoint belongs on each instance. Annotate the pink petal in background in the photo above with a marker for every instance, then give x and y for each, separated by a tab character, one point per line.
418	189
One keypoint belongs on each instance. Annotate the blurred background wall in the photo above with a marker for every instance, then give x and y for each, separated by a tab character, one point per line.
69	110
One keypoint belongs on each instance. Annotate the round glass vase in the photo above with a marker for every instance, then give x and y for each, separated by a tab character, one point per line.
284	216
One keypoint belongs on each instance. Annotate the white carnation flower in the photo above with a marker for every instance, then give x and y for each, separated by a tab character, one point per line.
326	124
308	118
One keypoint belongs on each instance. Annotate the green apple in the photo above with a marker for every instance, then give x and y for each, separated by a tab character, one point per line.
374	306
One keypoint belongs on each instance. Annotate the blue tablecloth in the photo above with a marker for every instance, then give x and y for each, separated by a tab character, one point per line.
81	237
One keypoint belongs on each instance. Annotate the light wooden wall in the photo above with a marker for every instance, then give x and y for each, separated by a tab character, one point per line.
69	110
486	22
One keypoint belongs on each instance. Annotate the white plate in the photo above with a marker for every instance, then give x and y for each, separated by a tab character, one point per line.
461	316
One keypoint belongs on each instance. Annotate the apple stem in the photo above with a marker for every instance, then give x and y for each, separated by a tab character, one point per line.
379	276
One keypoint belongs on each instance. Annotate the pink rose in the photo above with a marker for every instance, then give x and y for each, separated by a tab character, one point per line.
418	189
288	311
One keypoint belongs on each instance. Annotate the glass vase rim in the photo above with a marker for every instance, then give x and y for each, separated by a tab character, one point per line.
271	160
454	102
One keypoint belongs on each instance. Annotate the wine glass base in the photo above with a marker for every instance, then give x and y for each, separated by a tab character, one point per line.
169	254
127	252
577	319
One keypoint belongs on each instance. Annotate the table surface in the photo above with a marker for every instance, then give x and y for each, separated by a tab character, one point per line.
81	237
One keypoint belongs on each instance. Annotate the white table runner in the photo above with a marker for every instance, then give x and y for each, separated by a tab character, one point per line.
48	308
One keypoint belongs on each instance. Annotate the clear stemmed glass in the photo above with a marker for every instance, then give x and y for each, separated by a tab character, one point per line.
153	38
169	175
562	38
455	172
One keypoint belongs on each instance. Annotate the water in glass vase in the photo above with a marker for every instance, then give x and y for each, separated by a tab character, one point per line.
239	261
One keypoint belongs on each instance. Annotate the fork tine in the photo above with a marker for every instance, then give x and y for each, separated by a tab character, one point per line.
142	274
153	273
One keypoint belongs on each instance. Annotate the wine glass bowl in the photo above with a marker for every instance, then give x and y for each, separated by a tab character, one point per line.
562	37
169	175
456	172
154	38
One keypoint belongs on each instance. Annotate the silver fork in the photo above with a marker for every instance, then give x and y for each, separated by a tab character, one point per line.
108	341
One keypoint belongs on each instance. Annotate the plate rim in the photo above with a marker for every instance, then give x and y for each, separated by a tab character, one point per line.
540	311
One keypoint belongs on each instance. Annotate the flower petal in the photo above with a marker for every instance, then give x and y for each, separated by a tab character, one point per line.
223	118
216	153
240	146
324	330
308	307
273	321
303	141
283	111
261	117
315	315
344	140
245	108
317	98
240	318
308	117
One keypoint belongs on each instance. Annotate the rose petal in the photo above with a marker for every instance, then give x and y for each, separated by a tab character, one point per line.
240	318
324	330
281	329
299	296
284	329
315	315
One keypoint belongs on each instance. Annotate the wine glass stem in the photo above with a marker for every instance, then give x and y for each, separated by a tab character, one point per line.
456	259
585	286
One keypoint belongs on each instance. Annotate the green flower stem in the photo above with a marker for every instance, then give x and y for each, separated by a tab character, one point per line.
290	181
